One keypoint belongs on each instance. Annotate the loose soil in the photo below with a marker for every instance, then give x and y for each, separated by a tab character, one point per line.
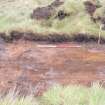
32	67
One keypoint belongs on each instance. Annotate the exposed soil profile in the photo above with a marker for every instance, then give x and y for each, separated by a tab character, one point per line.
30	68
32	62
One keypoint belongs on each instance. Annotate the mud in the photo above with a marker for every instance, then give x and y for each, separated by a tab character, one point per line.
32	69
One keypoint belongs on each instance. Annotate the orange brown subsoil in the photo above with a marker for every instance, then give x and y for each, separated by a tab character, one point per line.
31	69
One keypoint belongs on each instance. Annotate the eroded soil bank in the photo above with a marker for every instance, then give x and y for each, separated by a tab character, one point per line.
31	68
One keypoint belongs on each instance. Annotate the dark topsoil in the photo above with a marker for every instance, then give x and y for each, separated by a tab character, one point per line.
53	38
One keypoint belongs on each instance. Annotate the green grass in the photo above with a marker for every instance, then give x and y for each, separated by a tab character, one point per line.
15	15
74	95
61	95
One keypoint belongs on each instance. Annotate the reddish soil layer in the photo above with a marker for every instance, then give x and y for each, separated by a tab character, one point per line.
32	69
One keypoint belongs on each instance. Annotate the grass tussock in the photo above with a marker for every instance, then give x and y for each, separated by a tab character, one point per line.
15	15
12	99
74	95
60	95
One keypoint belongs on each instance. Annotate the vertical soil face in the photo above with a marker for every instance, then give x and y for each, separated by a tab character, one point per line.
32	69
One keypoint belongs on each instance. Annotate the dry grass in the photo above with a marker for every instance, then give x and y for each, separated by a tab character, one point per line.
61	95
15	15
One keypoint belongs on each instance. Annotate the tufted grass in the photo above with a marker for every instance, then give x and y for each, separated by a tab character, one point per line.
12	99
74	95
60	95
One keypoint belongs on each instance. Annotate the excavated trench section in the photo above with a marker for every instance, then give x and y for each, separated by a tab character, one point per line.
32	67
